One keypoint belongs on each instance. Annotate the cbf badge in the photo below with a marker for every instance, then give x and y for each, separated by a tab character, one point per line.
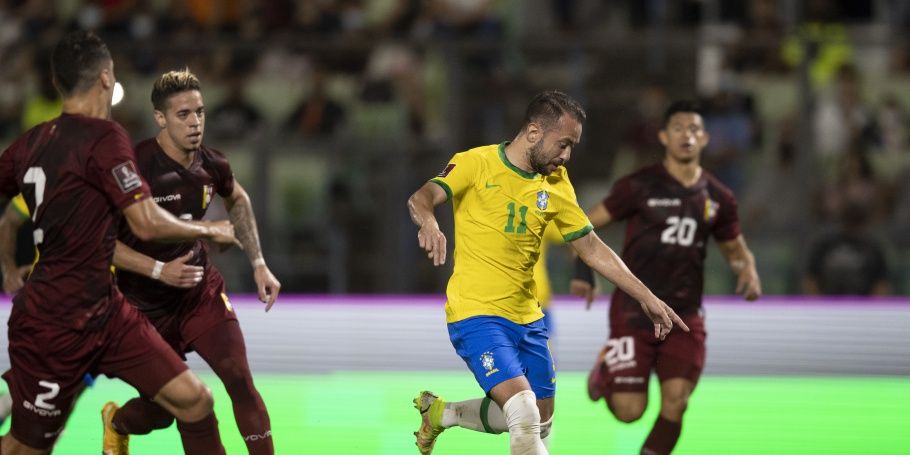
543	198
486	359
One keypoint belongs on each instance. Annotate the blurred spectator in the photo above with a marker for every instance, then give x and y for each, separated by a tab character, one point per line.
731	122
317	115
856	184
768	207
640	137
235	118
45	103
841	118
848	261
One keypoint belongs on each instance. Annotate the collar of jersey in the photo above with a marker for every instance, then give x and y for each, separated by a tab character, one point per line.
517	170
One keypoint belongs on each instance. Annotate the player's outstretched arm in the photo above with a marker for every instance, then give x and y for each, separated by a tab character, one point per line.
149	222
605	261
742	261
13	275
175	273
583	284
429	237
240	211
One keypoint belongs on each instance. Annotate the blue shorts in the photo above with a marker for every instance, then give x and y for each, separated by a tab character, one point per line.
496	350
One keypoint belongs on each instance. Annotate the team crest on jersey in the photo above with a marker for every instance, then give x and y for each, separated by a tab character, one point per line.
486	359
446	171
543	199
207	191
127	177
711	208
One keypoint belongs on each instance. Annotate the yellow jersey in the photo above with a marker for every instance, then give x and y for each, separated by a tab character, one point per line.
551	237
501	213
19	204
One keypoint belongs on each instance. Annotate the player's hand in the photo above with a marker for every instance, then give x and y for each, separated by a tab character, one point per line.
583	289
748	284
222	232
433	241
13	282
179	274
663	317
267	285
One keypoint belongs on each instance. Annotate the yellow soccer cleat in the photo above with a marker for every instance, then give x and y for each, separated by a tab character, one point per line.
113	443
430	407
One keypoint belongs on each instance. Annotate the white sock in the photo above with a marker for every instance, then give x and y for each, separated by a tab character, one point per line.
470	414
523	419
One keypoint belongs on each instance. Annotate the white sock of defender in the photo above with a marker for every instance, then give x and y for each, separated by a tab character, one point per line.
523	419
482	414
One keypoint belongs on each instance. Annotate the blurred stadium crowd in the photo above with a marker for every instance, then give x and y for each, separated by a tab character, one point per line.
333	111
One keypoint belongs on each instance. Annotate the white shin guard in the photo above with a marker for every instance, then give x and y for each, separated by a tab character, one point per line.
523	419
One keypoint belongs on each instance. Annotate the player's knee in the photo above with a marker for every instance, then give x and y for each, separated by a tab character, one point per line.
627	412
675	404
198	407
522	415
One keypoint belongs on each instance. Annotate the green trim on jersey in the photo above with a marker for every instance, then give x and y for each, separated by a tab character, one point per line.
572	236
517	170
445	187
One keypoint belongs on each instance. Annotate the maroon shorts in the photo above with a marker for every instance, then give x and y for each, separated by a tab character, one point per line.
48	363
201	311
633	352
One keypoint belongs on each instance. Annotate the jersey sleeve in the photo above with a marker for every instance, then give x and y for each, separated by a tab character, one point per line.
112	166
571	220
458	175
224	176
622	202
727	226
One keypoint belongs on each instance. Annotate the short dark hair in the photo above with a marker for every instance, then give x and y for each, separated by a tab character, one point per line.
172	83
76	61
547	107
686	106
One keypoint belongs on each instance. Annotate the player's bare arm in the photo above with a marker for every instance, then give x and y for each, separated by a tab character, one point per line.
13	275
176	273
150	222
240	212
599	217
742	262
605	261
429	237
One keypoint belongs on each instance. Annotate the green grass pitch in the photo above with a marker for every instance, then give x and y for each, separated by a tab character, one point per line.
371	413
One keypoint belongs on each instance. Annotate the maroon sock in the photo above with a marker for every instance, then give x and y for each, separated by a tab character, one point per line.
662	438
141	416
224	350
201	437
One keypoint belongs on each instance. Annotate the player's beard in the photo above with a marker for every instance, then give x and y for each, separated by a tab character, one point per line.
536	158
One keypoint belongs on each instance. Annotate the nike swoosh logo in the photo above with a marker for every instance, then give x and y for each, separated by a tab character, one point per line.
492	185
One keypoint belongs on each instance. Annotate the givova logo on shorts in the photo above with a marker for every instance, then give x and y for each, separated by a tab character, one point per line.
620	353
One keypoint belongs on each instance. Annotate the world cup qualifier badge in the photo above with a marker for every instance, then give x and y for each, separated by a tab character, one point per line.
543	198
446	171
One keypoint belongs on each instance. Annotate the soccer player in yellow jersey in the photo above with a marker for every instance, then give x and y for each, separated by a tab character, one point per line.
504	196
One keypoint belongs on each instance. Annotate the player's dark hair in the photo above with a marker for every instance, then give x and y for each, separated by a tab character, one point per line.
547	107
76	61
170	84
684	106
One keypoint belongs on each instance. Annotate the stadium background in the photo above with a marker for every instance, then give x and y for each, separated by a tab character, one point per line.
333	111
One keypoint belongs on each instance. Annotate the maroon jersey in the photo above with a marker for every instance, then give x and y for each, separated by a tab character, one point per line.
667	233
186	193
75	172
